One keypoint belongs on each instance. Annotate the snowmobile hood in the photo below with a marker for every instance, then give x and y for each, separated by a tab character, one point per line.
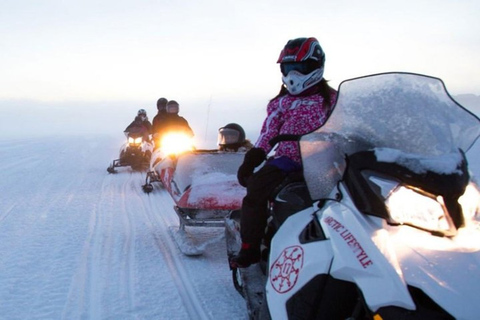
206	180
445	269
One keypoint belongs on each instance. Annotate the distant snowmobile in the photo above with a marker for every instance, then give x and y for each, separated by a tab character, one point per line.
136	152
385	223
202	183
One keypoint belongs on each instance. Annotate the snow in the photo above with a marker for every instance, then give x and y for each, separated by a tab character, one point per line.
446	164
79	243
205	173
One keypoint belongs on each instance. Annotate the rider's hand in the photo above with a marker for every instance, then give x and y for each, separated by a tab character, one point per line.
253	158
244	172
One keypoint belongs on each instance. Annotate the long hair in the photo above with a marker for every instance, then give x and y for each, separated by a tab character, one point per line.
321	88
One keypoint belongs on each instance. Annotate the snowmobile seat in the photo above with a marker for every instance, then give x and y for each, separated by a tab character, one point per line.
289	197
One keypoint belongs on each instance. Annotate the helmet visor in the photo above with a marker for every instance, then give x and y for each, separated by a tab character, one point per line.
303	67
173	108
227	136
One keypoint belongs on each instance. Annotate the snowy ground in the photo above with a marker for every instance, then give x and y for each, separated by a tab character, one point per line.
79	243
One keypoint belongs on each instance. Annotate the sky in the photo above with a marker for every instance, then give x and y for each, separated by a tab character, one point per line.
215	57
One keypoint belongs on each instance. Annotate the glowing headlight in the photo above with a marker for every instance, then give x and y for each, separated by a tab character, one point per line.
409	207
470	202
176	143
135	141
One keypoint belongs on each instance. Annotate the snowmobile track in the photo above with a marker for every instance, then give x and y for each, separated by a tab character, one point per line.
168	247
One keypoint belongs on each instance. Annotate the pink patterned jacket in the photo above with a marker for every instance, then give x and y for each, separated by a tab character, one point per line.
292	115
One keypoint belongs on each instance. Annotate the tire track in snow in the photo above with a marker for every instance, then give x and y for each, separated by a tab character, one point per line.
128	265
81	288
105	264
157	204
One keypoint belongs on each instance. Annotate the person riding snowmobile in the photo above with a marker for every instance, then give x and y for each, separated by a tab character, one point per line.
231	138
161	114
172	122
140	125
302	105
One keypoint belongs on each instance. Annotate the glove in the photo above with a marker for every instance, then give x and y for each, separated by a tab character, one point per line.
253	158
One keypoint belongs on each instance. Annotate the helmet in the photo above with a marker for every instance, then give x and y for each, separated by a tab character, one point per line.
231	136
142	114
161	104
173	107
302	63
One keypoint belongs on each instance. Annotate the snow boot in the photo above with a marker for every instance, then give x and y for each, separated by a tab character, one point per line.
248	255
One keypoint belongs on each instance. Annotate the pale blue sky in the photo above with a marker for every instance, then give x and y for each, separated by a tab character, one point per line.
216	57
113	50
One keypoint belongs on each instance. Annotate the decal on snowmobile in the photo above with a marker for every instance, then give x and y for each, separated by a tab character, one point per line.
286	269
350	240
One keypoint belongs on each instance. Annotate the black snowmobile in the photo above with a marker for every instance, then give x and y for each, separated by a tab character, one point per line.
135	152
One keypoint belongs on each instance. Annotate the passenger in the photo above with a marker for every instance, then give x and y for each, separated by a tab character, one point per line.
231	138
172	122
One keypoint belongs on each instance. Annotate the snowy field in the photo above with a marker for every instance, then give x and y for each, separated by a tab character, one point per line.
79	243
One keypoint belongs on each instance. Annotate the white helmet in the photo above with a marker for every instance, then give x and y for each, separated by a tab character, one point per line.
142	114
302	63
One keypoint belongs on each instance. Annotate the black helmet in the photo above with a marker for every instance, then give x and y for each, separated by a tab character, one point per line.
231	136
302	63
161	104
173	107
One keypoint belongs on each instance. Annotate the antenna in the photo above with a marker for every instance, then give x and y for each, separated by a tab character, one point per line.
208	116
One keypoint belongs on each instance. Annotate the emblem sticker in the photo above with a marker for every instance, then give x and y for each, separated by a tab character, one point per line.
286	269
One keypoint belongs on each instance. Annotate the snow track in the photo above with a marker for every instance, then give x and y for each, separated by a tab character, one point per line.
185	288
79	243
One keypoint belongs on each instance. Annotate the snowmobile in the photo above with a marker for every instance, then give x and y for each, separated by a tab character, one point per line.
384	223
135	152
202	184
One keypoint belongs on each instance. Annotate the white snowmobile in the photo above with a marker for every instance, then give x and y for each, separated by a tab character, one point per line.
135	152
385	223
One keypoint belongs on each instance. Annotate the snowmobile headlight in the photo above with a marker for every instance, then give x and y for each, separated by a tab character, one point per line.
135	141
418	209
176	143
470	202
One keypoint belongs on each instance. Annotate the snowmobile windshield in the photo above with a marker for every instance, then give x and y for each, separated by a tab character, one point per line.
409	113
205	172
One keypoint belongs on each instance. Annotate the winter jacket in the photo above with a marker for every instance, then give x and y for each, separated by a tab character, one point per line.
292	115
157	120
172	123
139	126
